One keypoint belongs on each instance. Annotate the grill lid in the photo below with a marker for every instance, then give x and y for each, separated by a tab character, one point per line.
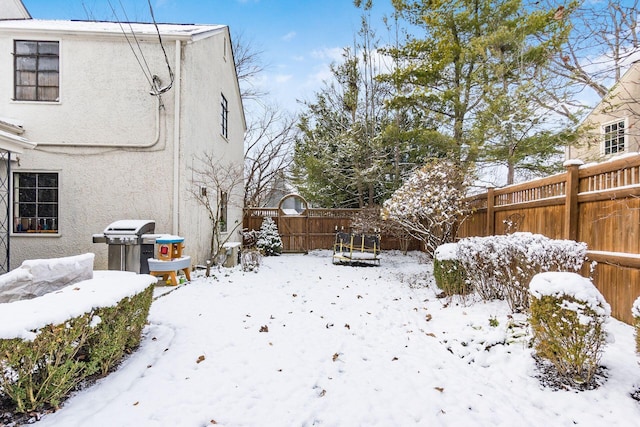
130	227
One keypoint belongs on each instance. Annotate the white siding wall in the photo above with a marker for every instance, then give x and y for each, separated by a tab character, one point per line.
104	99
206	76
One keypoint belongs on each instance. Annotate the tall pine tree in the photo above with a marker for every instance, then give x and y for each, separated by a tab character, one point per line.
466	66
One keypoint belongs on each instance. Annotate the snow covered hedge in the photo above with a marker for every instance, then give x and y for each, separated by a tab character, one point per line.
501	267
49	344
449	273
568	314
635	310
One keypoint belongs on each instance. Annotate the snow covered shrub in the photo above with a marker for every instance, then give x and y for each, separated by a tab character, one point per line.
269	241
480	257
118	331
501	267
430	204
250	259
41	368
450	275
635	310
568	315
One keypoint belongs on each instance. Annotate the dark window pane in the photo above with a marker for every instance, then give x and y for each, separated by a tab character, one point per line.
26	78
36	71
25	93
27	209
47	94
49	78
48	63
26	195
26	179
26	48
48	48
28	63
36	202
46	210
48	180
47	195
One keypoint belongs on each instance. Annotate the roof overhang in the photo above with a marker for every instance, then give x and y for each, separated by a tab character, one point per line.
105	29
14	143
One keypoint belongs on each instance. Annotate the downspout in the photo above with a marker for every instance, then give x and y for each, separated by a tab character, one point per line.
176	139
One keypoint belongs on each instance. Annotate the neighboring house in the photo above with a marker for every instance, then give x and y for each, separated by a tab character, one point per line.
279	188
88	137
13	9
612	128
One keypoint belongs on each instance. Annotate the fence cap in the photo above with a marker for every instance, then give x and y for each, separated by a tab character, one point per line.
573	162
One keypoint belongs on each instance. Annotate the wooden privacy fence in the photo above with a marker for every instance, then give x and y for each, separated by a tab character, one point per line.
313	228
597	204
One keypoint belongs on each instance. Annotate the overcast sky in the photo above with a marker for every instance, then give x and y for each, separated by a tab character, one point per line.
299	38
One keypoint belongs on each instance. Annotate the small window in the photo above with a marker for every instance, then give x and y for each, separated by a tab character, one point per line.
224	105
613	137
224	202
35	202
37	70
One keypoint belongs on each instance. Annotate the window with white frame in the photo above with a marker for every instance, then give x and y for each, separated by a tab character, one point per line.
35	202
37	70
613	133
224	119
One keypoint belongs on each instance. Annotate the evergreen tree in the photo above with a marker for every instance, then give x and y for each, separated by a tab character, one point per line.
471	57
269	241
340	159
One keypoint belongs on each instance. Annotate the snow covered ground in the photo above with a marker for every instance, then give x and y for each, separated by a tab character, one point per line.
304	342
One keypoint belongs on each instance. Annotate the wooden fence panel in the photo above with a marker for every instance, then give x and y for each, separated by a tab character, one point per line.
596	204
314	229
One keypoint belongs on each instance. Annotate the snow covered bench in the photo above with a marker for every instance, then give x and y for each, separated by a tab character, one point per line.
358	248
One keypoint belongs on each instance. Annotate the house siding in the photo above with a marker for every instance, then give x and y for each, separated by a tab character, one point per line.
105	106
621	103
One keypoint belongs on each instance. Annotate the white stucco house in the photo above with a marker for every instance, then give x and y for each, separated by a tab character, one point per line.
611	129
104	121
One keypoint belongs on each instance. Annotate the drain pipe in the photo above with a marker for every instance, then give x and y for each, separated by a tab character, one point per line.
150	144
176	139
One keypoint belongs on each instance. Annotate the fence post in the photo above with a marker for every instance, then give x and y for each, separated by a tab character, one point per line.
490	212
571	202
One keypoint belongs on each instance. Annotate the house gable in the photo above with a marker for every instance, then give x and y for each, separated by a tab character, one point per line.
13	9
611	128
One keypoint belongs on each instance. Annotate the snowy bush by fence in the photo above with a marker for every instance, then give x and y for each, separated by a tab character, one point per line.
449	274
50	343
501	267
568	315
269	241
635	311
430	205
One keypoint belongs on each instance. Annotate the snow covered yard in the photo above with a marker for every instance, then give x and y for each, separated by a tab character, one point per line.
304	342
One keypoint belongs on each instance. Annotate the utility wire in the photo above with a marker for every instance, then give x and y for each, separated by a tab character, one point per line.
149	79
159	90
135	38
